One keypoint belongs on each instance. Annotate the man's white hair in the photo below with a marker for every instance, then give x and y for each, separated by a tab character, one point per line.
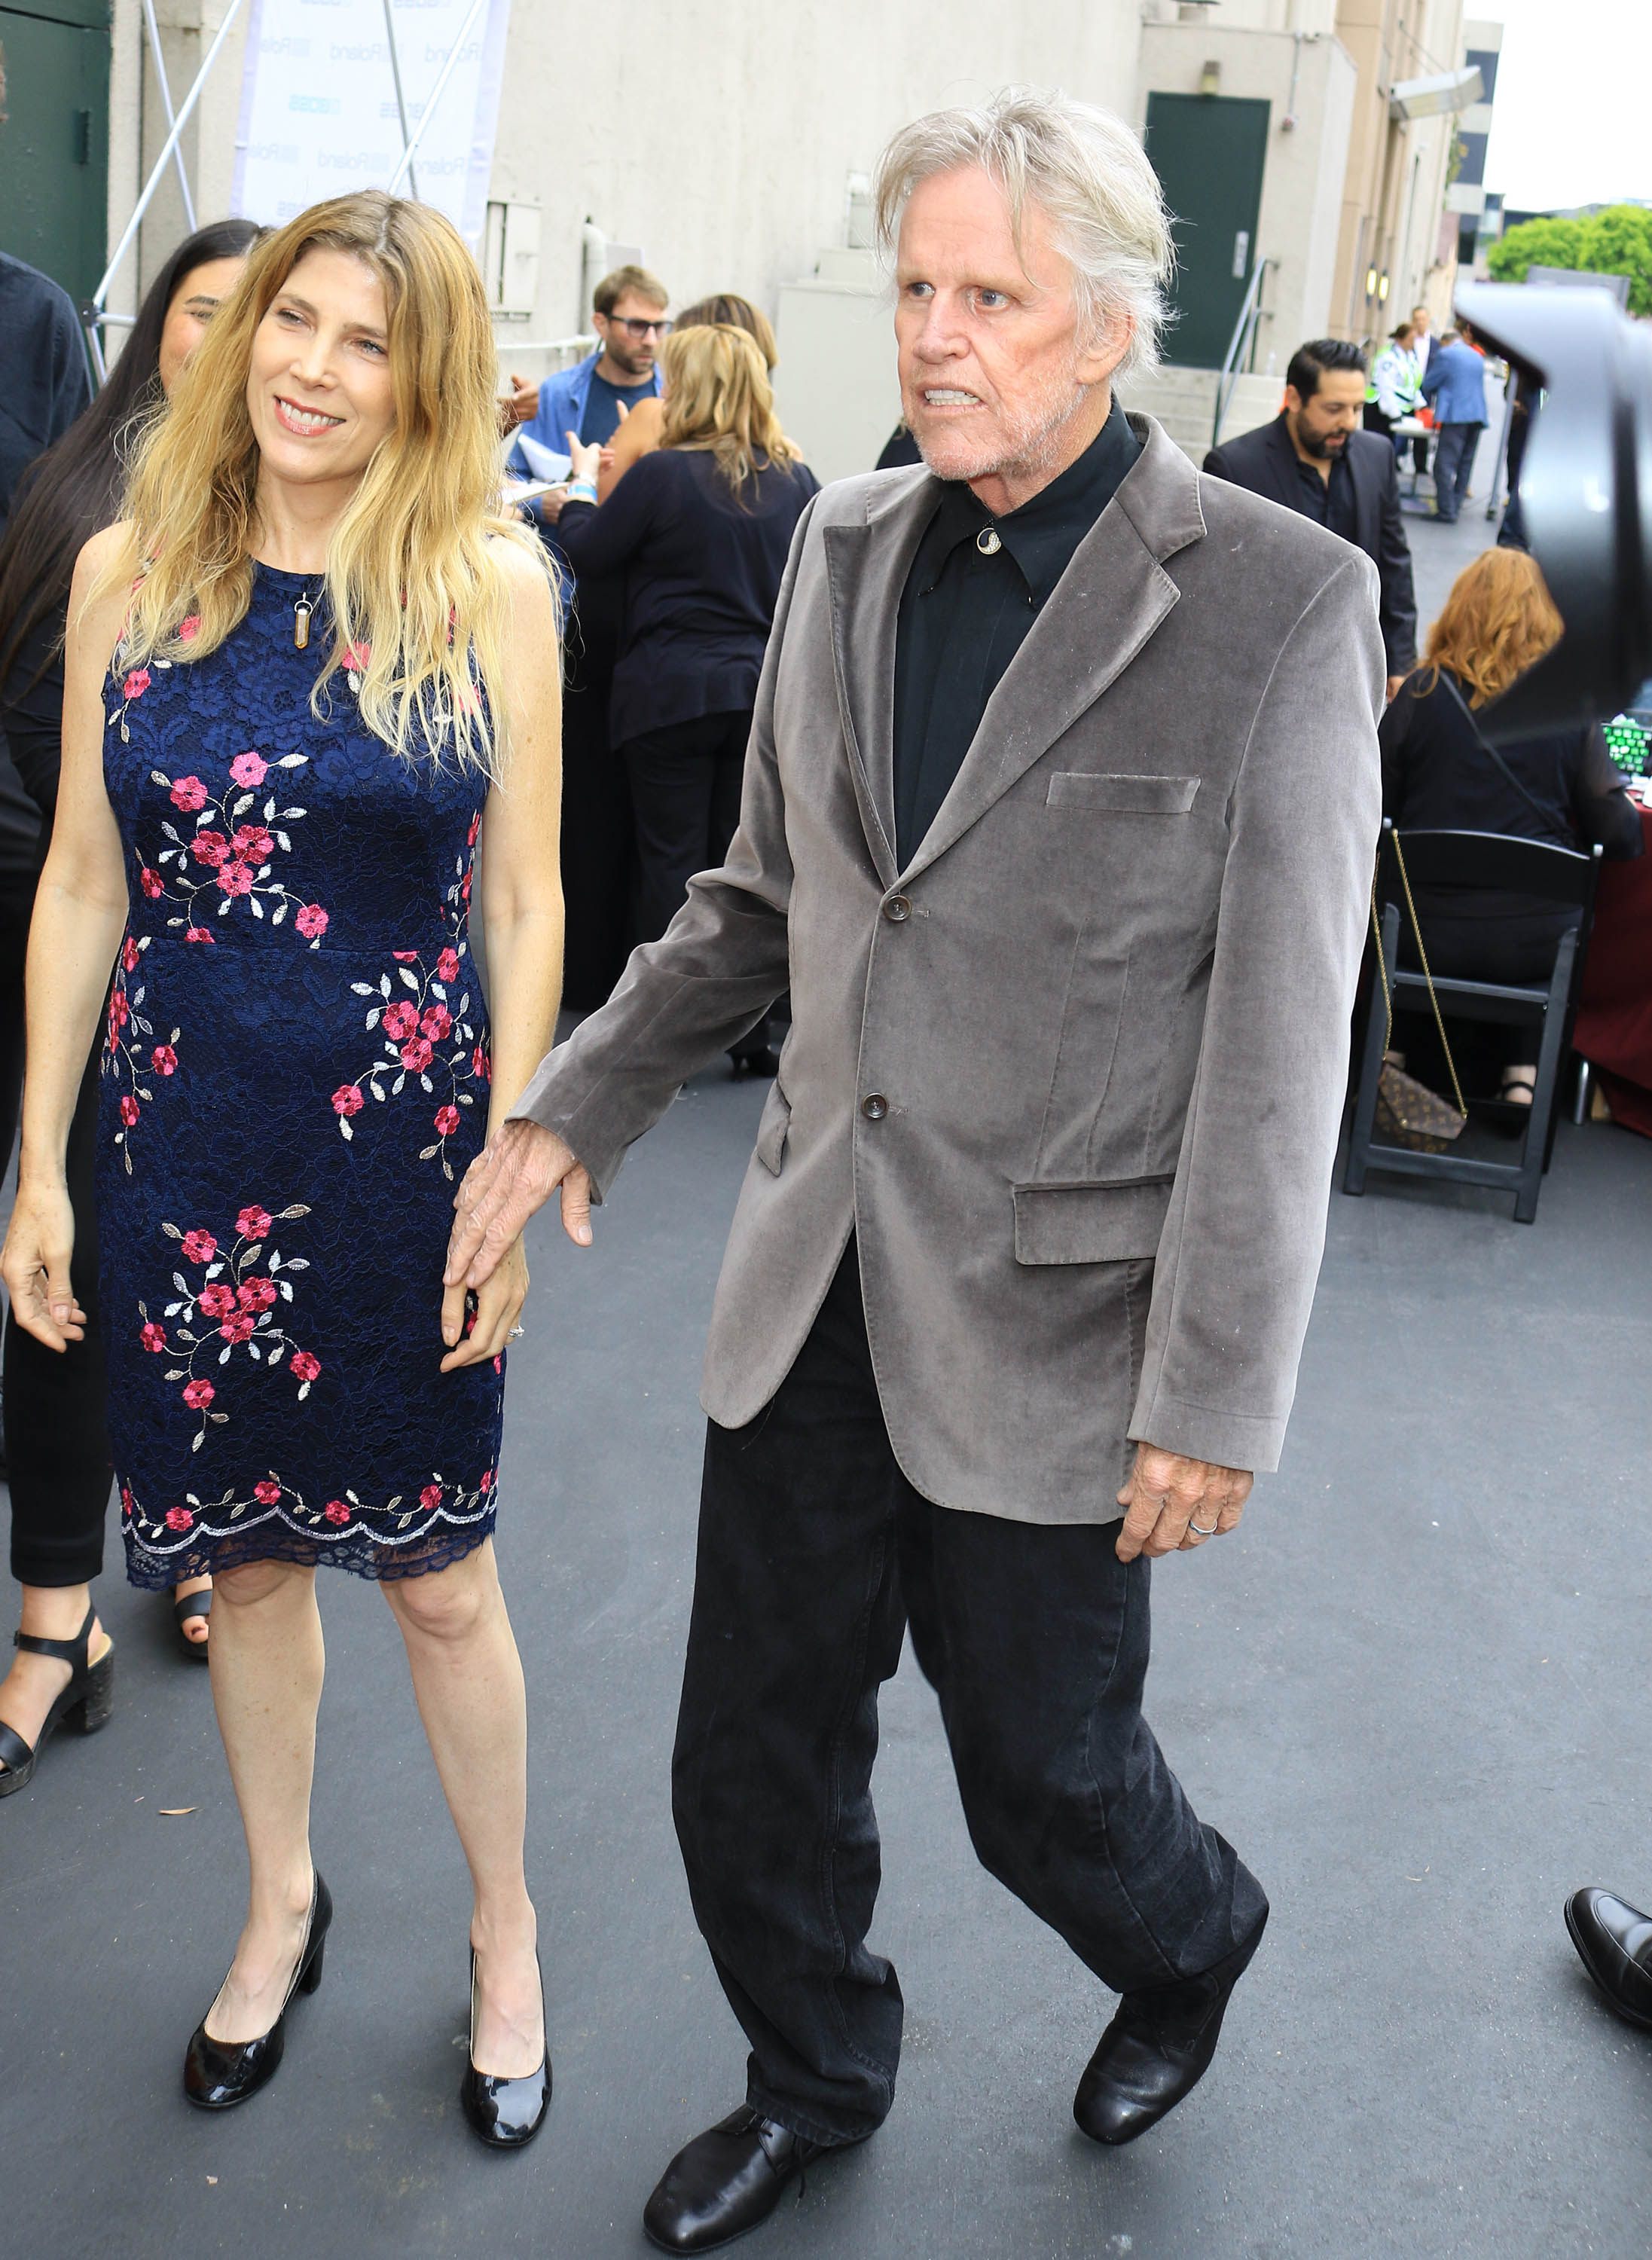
1084	168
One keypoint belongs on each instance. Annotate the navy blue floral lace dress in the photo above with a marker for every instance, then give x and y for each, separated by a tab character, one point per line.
295	1073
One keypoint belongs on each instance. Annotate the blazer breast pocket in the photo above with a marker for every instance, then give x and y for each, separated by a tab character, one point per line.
1122	795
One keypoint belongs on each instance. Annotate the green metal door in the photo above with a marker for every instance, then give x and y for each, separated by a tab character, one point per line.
1209	152
55	143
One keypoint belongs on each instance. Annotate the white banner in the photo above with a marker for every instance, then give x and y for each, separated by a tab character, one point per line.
319	112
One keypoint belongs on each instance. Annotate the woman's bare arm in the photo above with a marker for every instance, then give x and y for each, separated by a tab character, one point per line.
638	435
80	913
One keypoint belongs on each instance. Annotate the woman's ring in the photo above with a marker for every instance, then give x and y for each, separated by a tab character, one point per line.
1200	1532
516	1333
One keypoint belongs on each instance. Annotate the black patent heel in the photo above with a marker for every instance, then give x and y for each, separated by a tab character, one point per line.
219	2074
87	1702
503	2114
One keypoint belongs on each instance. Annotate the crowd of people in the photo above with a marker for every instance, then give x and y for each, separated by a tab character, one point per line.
297	699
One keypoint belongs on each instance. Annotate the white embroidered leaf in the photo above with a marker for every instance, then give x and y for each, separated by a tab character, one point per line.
220	1418
293	761
397	1085
427	1152
293	1208
243	802
224	1357
360	988
178	1373
255	907
171	1311
376	1093
168	832
224	907
155	778
251	1254
213	1270
284	843
385	985
289	815
275	1259
447	1171
279	915
345	1130
252	1351
437	989
373	1017
464	1003
297	1262
277	1355
303	1392
286	1291
181	1283
269	812
201	1438
410	979
425	1079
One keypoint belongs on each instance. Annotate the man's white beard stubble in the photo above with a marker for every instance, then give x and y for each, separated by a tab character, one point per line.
1028	450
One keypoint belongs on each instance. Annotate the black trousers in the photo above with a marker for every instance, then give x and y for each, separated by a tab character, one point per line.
685	783
57	1444
599	851
815	1554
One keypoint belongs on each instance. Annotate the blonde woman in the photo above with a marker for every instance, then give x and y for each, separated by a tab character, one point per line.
640	430
305	675
701	529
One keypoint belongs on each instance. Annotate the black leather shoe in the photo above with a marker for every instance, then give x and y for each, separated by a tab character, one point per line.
219	2074
504	2113
1157	2050
727	2180
1615	1944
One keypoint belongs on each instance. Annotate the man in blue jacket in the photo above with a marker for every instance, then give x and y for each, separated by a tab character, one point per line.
1455	382
628	315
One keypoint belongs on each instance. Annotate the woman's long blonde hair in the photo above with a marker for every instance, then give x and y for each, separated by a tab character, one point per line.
418	603
717	397
1498	621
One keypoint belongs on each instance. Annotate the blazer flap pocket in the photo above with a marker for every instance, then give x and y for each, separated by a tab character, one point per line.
1138	795
1118	1223
772	1125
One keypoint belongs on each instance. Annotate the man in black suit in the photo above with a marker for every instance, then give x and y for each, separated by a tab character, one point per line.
1313	458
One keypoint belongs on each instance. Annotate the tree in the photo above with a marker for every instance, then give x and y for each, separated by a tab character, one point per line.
1617	240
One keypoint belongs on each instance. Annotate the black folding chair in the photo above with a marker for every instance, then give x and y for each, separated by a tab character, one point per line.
1519	866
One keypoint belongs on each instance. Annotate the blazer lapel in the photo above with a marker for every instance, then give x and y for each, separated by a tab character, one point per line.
1282	459
866	567
1105	606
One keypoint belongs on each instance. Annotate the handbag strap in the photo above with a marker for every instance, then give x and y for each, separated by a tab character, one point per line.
1545	816
1422	955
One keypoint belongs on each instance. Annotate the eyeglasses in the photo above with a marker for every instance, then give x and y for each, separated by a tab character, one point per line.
633	328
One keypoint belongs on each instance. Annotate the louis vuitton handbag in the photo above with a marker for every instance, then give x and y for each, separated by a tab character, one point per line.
1408	1114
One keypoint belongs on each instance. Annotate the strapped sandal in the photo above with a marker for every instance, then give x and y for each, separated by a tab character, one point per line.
87	1702
186	1608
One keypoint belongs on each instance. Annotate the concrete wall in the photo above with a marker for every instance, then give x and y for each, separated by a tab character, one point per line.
1396	173
1307	162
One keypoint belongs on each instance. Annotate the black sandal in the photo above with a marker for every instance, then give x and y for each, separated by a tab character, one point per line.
88	1700
185	1608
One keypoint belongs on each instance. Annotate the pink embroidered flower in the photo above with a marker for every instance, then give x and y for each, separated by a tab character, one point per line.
347	1099
336	1511
464	892
256	1294
129	957
200	933
267	1492
249	769
212	848
164	1059
151	883
189	793
136	684
448	1120
447	965
356	658
218	1300
405	956
237	1328
236	878
311	921
304	1367
481	1065
199	1247
129	1110
254	1222
126	1500
417	1053
152	1337
486	1483
118	1008
197	1394
188	627
400	1020
179	1518
436	1022
474	832
430	1498
252	844
498	1363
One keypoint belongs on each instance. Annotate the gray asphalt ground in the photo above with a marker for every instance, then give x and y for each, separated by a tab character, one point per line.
1411	1688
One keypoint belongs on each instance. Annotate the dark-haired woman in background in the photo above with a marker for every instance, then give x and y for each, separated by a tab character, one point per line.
54	1432
1440	774
701	529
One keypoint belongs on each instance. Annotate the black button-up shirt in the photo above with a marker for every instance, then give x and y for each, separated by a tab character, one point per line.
965	613
1330	500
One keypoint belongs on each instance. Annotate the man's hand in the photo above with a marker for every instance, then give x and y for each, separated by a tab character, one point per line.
516	1173
1167	1496
522	406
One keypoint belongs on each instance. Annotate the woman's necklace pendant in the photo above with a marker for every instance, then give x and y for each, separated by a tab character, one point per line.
301	611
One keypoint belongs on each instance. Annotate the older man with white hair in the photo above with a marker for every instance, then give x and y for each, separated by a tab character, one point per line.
1059	814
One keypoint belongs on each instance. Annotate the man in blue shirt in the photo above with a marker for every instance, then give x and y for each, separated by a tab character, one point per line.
628	315
1455	382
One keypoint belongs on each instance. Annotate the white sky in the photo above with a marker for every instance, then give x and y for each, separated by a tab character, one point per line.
1572	122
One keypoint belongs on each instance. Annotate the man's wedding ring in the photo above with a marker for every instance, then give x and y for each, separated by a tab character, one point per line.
1200	1531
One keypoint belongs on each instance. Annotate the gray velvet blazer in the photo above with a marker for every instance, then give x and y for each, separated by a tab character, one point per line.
1074	1074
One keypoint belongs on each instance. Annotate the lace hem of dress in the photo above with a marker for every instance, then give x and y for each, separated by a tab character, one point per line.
402	1539
158	1573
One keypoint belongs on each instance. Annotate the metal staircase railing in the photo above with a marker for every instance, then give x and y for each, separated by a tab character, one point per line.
1241	346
